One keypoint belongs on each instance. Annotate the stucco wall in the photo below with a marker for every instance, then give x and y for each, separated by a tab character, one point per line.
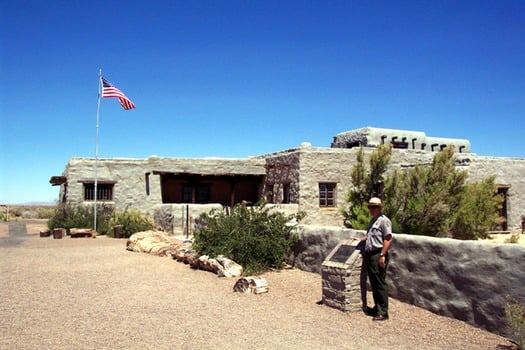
129	175
466	280
324	165
302	168
130	181
335	165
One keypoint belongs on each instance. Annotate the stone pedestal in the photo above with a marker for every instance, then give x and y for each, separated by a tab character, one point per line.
340	273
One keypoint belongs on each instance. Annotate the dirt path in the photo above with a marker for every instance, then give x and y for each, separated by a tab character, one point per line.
87	293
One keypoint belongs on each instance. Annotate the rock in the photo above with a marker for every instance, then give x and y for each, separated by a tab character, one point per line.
82	232
157	243
152	242
251	285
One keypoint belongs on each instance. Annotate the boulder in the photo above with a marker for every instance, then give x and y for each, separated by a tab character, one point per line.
151	242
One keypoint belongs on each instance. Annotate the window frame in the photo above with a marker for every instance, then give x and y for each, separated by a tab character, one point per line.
327	194
105	191
196	193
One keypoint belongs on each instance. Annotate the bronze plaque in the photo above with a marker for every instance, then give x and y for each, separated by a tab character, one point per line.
343	253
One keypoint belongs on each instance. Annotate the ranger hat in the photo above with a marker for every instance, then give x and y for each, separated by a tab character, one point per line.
374	202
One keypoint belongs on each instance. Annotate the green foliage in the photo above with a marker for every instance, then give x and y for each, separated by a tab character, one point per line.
365	185
254	237
477	211
360	216
515	315
426	200
132	221
80	216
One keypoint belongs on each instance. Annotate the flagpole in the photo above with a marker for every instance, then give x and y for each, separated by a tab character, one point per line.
96	151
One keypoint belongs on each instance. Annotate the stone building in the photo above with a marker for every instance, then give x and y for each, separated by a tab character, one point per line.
311	179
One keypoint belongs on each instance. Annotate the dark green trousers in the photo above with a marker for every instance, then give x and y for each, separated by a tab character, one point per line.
377	277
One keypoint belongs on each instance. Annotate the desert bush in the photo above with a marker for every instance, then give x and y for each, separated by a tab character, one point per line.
514	238
45	212
15	212
132	221
81	216
515	315
254	237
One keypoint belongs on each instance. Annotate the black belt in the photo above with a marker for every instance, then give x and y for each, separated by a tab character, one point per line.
373	251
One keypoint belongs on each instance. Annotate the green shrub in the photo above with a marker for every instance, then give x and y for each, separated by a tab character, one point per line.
81	216
254	237
477	211
515	314
132	221
15	212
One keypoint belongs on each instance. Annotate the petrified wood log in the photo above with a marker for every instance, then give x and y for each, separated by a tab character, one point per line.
154	242
81	232
251	285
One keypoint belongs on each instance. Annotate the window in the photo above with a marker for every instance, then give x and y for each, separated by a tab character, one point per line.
502	212
201	194
327	195
286	193
187	194
400	144
353	144
147	183
104	191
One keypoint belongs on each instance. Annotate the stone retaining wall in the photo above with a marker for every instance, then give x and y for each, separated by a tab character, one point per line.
466	280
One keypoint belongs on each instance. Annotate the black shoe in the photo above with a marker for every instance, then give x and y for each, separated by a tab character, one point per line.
380	318
369	311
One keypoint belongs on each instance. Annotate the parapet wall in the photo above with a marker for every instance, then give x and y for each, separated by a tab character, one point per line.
466	280
373	137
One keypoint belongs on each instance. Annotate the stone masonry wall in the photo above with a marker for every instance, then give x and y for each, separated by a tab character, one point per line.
466	280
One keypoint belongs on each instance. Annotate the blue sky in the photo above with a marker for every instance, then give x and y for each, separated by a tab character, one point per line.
239	78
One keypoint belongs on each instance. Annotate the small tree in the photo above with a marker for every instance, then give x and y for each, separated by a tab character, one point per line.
424	198
254	237
477	212
427	200
365	184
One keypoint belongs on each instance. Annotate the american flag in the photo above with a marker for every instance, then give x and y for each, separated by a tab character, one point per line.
109	90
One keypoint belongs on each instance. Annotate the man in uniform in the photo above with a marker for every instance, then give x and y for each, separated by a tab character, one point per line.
378	241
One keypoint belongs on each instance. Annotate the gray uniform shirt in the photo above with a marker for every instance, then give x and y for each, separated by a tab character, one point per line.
379	229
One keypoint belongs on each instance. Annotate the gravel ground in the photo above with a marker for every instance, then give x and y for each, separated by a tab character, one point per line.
87	293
